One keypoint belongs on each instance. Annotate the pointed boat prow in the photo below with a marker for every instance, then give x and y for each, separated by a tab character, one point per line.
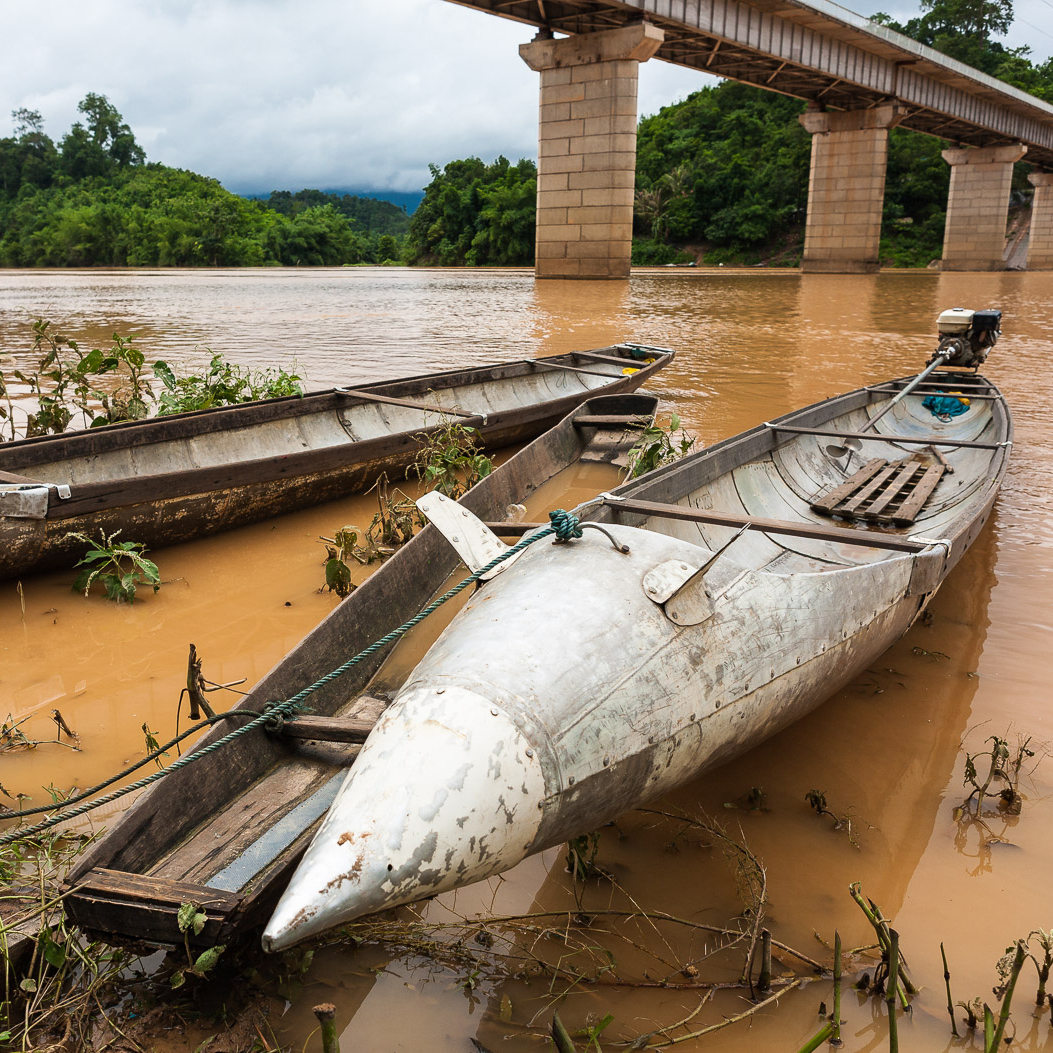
445	797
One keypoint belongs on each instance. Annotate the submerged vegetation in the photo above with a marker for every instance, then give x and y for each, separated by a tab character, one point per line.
120	567
70	386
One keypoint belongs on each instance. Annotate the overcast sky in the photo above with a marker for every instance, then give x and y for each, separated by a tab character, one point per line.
277	94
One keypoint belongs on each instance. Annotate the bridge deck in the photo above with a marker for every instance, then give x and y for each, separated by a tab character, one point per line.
820	52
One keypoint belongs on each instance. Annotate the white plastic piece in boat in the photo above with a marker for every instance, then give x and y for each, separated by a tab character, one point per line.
473	540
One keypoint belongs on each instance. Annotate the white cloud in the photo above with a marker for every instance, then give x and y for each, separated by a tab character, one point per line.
289	94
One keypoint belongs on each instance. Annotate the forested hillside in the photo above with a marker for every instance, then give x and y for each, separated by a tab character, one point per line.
724	174
721	177
91	199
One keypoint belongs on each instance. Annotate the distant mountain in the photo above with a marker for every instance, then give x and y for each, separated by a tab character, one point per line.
377	212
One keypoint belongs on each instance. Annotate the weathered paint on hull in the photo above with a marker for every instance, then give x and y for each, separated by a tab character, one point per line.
610	703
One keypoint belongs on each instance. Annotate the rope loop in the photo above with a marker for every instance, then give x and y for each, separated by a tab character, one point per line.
565	524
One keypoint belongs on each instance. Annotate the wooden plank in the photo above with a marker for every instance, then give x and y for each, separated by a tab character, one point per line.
19	480
328	729
849	507
609	420
908	511
910	440
388	400
900	481
573	369
934	391
849	486
141	888
512	529
636	363
768	526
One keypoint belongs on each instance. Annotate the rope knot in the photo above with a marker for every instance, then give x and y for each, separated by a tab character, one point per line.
565	524
276	714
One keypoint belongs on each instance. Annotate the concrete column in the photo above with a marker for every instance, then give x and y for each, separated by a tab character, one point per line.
587	149
846	188
978	207
1040	240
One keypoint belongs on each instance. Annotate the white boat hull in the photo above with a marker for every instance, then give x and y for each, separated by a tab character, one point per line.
563	695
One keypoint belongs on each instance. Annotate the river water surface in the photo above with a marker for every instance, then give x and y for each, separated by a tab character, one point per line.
886	751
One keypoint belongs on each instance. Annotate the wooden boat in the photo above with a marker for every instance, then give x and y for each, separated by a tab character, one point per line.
711	604
180	477
226	831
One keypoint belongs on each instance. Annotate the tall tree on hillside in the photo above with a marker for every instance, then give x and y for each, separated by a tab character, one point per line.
106	144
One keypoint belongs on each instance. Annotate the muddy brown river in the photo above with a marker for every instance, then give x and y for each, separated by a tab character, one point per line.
888	752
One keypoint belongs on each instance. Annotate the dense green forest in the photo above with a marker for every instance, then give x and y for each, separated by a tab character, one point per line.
475	214
366	213
91	199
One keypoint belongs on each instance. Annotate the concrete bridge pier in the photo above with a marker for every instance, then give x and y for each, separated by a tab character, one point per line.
587	149
978	206
1040	242
846	188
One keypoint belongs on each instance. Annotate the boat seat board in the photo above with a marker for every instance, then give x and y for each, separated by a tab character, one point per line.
911	440
609	420
102	895
890	492
774	526
387	400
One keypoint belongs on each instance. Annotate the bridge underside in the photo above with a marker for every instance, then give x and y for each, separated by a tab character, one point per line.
796	50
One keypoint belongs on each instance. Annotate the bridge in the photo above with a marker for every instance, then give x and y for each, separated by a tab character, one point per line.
859	79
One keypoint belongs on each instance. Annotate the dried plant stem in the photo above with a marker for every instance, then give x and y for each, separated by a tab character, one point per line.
893	984
728	1020
950	1001
835	1036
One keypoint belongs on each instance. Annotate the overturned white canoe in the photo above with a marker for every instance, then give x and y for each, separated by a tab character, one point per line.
584	680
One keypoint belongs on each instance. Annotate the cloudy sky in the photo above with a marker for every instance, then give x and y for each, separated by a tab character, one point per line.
266	94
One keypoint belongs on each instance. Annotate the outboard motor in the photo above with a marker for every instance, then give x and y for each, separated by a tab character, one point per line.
966	337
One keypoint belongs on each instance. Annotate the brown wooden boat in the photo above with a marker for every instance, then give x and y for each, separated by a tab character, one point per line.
226	831
176	478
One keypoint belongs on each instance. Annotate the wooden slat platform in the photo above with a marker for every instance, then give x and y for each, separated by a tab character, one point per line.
890	492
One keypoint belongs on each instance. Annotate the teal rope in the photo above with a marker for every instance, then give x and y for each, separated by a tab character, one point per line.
564	526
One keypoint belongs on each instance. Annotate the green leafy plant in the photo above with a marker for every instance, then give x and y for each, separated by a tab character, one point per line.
222	384
450	459
659	444
191	920
337	572
119	566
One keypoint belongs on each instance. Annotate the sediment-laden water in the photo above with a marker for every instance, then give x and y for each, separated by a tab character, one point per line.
886	751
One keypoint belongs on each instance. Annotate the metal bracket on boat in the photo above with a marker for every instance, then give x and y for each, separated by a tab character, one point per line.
680	588
927	567
29	500
471	538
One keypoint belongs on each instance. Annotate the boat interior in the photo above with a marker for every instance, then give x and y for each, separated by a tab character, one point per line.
851	492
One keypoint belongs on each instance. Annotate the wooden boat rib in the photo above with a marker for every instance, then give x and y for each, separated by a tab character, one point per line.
589	677
180	477
226	831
